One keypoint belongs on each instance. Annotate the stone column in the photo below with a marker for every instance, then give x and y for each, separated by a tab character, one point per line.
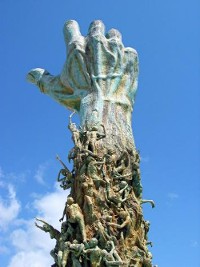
104	222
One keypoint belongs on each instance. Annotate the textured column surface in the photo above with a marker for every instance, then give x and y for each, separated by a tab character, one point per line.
102	222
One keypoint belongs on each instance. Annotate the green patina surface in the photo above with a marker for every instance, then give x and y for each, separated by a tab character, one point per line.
102	221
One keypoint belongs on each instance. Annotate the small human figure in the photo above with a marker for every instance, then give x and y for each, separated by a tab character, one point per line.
89	194
146	225
74	216
124	223
64	255
136	180
117	171
76	249
122	170
54	234
121	164
92	136
94	253
77	155
111	257
142	256
75	132
105	219
101	233
147	261
66	234
137	256
118	194
67	179
92	170
110	159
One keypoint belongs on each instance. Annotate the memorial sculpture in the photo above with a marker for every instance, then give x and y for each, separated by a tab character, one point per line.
102	222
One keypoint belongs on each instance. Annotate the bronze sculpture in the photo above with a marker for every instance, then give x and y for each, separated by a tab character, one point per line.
104	221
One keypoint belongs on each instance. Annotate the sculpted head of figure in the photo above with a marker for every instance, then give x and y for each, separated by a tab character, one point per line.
93	242
109	246
70	200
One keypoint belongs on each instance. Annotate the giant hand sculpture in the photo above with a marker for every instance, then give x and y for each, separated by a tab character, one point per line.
98	80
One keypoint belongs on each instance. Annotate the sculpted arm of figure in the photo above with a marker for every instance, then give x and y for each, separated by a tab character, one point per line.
45	224
113	247
123	189
59	174
143	201
63	164
38	226
64	213
76	248
124	199
106	196
120	226
88	250
107	192
93	155
99	163
101	136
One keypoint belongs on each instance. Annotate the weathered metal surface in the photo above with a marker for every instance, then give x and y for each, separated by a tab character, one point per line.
98	80
104	222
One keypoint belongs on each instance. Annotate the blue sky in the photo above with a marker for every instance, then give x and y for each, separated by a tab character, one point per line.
165	121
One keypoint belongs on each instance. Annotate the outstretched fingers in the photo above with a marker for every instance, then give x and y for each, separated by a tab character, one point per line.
114	34
72	33
97	28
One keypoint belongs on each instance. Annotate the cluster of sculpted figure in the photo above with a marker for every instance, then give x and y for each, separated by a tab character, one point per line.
103	211
102	221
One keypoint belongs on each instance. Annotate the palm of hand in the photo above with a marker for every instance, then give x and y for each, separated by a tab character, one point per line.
96	65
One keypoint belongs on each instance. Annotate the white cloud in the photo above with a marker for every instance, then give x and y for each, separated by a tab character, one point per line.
9	206
31	244
32	239
31	259
13	177
51	205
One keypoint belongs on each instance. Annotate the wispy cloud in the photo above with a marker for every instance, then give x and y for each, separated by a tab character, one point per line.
3	249
51	205
9	206
40	173
144	159
194	244
19	234
26	238
172	196
13	177
32	258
